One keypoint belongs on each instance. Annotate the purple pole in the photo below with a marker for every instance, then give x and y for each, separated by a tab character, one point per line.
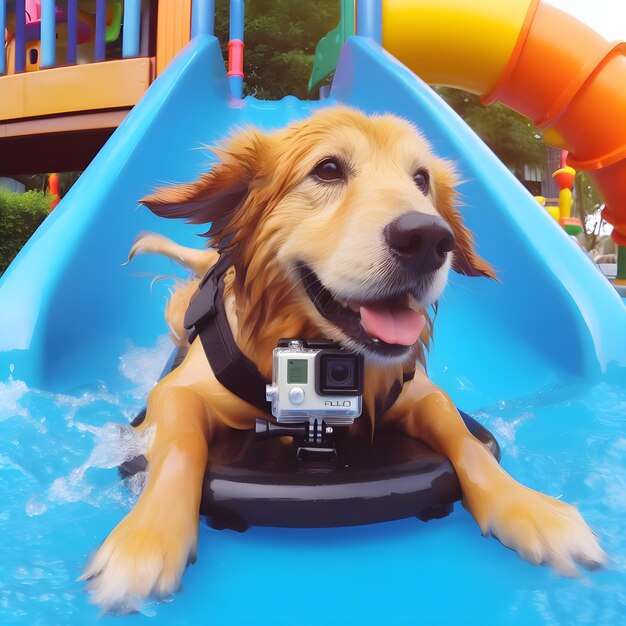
101	24
20	36
3	21
72	28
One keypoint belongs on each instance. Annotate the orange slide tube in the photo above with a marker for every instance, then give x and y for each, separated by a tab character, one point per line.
536	59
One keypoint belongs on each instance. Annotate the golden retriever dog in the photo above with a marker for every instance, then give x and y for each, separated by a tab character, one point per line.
340	226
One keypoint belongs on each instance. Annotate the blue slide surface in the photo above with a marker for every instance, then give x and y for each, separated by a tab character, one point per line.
69	309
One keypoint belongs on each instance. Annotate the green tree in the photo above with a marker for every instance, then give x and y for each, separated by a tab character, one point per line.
511	136
20	215
280	38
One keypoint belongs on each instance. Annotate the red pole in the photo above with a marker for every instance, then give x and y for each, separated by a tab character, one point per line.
53	188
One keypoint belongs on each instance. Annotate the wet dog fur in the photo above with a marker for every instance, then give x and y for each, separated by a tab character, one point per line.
314	199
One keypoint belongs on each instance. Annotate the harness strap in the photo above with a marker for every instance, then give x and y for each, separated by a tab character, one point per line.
381	407
206	318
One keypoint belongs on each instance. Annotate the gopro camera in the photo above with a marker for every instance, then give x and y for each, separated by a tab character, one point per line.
315	380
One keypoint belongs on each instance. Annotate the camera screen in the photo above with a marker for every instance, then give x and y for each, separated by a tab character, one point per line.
296	371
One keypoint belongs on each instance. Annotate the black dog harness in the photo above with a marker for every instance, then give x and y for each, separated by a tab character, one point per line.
206	318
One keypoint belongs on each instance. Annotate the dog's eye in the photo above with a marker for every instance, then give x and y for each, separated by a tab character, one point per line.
422	180
328	170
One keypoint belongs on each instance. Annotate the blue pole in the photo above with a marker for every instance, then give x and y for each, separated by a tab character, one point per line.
48	33
369	19
236	86
20	36
3	25
101	24
236	33
72	30
236	19
202	17
132	28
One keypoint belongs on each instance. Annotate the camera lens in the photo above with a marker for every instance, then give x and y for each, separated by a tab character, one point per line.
338	373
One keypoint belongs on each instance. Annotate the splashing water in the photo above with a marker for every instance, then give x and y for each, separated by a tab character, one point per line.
114	444
62	495
142	366
58	460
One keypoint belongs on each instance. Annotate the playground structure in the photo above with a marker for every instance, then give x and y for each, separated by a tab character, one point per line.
564	178
81	308
92	73
561	213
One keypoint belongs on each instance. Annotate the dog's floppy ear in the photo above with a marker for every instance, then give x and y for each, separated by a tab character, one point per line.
465	260
215	196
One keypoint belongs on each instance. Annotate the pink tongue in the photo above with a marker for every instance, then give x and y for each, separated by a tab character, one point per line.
398	326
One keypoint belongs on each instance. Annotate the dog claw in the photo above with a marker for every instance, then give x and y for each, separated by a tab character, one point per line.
592	566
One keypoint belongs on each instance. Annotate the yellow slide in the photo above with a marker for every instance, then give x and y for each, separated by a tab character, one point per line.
535	59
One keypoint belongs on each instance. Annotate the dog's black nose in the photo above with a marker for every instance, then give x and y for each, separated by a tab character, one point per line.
420	241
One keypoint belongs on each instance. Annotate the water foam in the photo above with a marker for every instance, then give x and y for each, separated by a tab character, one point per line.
11	393
68	419
143	366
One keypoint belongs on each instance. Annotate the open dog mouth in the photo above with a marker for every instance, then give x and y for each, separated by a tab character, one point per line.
387	326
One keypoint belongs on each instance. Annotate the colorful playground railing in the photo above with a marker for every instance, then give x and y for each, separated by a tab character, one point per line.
41	34
71	70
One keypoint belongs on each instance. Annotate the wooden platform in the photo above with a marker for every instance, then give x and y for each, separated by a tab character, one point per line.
57	119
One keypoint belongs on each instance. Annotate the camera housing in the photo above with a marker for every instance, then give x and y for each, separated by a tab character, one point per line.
315	380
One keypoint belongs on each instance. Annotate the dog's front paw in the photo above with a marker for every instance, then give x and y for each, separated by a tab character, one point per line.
138	561
544	531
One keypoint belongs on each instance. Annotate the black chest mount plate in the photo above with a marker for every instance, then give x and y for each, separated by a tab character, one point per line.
251	482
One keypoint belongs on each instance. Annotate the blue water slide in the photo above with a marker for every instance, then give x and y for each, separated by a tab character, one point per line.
69	308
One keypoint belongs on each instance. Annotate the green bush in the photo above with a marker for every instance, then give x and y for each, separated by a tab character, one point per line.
20	215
